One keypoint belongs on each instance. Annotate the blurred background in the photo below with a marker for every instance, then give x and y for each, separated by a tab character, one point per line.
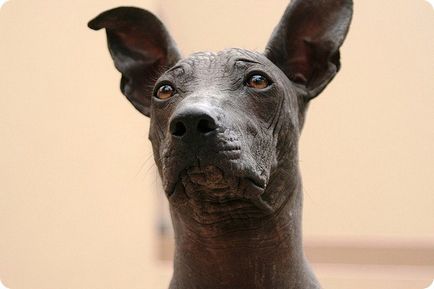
81	205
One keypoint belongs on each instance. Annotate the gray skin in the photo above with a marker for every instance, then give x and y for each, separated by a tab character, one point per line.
227	151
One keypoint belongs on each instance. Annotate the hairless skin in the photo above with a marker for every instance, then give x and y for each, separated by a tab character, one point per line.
224	130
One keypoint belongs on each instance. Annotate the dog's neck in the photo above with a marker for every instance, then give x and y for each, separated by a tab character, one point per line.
266	256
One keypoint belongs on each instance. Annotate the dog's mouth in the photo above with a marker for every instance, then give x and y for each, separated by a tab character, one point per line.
210	183
212	195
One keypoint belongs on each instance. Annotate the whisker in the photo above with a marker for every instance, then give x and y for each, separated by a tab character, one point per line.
151	167
142	166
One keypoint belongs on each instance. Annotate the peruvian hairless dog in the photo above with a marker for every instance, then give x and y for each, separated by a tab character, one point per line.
224	130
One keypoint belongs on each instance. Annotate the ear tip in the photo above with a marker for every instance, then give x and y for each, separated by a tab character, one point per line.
118	14
100	21
93	24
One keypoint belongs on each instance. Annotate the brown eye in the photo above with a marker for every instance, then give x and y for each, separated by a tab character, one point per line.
258	81
165	91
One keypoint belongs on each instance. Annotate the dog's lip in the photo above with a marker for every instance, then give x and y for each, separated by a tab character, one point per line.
251	183
252	191
248	205
256	180
254	183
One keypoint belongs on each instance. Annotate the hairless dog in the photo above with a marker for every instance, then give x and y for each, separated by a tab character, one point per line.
224	130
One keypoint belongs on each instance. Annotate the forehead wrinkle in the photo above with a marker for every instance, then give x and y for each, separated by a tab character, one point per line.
215	65
175	68
246	60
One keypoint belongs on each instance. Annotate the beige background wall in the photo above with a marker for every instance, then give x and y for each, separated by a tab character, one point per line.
79	195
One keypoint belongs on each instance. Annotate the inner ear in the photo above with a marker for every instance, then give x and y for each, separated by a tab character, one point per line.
305	44
141	49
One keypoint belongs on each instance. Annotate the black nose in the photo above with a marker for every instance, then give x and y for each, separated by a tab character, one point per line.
192	122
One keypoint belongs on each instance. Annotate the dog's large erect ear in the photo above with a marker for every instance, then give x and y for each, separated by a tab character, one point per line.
141	48
305	44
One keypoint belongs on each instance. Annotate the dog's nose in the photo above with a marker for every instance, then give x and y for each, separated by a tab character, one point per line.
191	123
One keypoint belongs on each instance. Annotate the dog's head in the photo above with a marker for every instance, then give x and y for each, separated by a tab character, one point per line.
225	126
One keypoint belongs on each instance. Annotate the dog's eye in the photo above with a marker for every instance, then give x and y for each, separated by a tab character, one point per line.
258	81
165	91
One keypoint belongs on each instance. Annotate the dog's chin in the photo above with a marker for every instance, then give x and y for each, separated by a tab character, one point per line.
210	183
211	195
